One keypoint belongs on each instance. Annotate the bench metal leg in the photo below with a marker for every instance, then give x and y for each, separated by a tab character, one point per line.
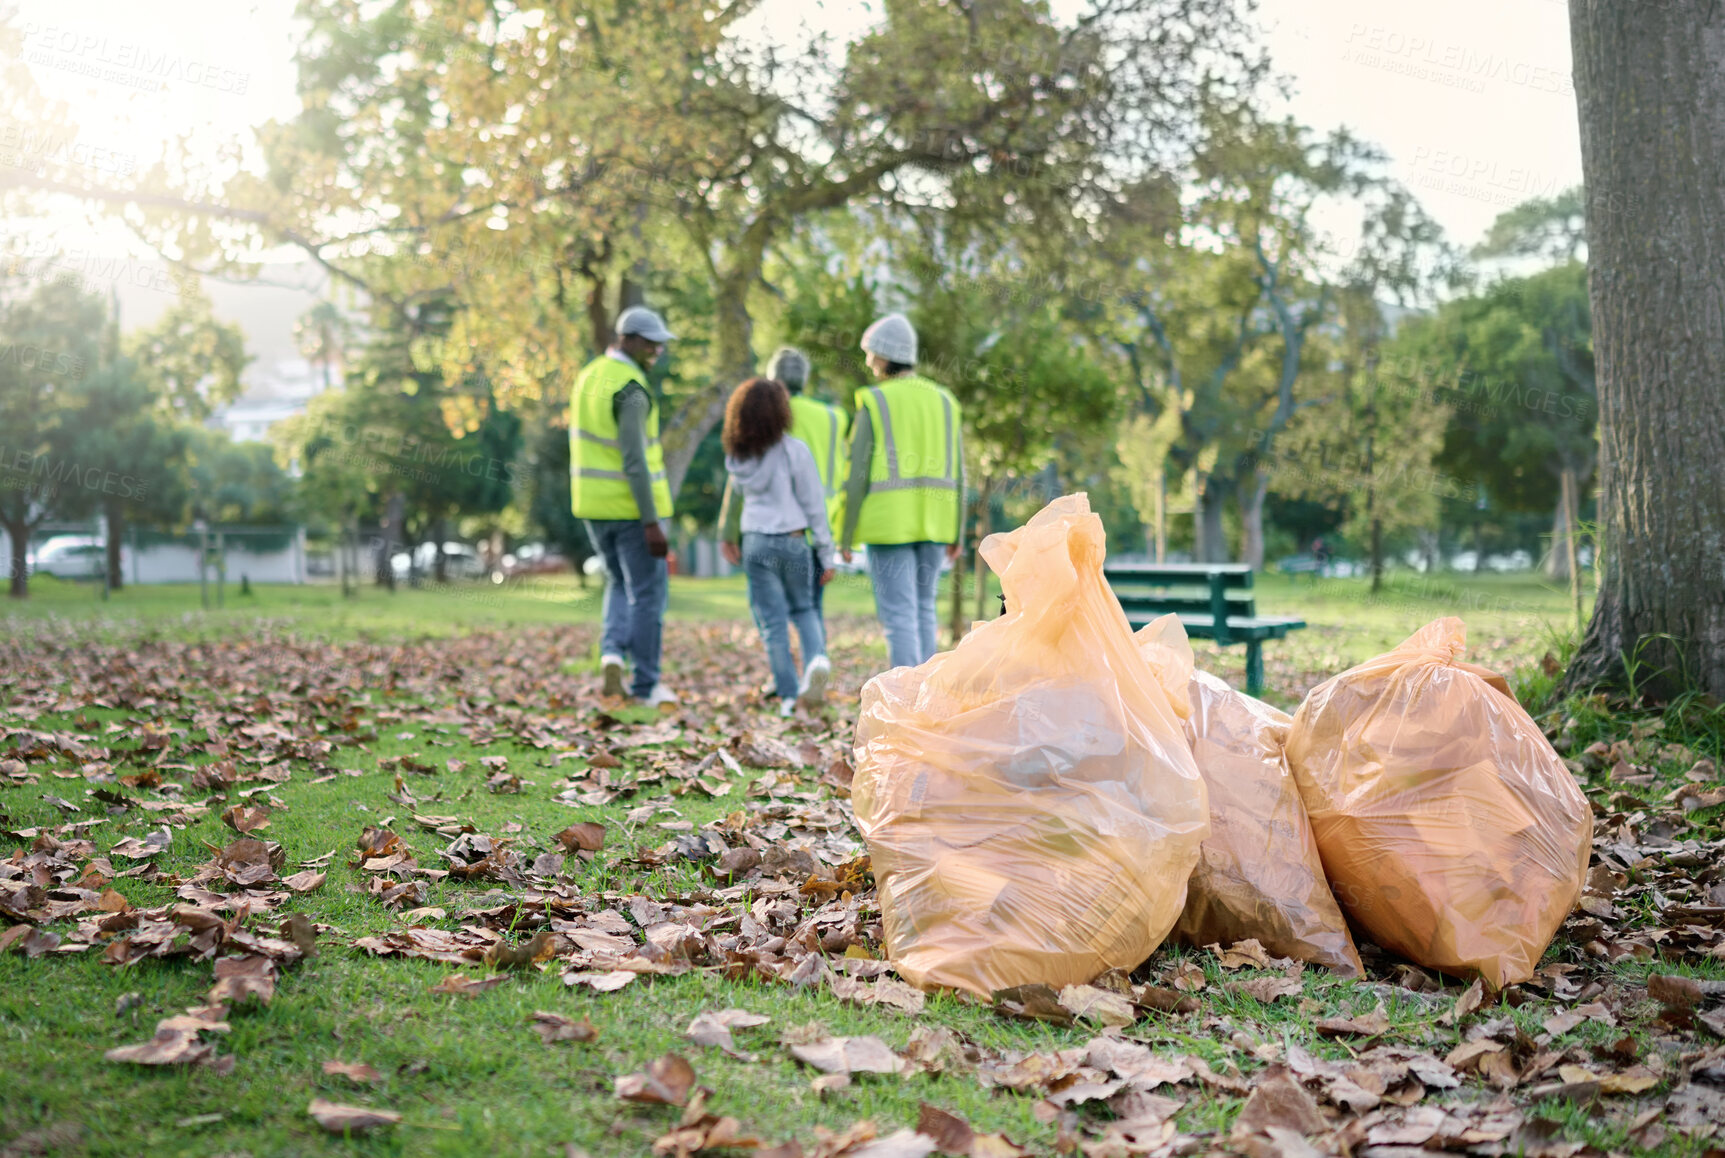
1254	667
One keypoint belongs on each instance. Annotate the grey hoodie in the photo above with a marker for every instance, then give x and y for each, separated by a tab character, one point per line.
781	493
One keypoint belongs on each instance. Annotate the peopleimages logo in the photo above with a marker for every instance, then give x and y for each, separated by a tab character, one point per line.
124	62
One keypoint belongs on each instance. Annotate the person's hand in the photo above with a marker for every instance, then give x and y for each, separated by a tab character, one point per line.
733	554
845	555
657	545
952	552
826	576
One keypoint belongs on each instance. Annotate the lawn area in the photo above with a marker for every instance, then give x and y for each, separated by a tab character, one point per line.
468	724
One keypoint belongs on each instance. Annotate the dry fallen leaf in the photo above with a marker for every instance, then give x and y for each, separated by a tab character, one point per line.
1266	989
601	982
554	1027
340	1119
463	985
849	1055
1365	1025
713	1028
665	1082
587	836
304	882
353	1071
1098	1005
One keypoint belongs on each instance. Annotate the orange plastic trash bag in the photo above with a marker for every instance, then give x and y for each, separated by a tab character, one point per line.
1452	832
1259	875
1029	802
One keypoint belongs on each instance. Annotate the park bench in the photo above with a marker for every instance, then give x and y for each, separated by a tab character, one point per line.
1213	601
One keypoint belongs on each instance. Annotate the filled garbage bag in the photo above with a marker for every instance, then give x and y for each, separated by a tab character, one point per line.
1451	831
1030	804
1258	876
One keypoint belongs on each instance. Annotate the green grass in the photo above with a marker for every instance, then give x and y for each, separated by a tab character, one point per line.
467	1073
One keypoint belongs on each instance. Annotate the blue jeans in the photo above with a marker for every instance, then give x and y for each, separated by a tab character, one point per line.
905	578
635	592
782	586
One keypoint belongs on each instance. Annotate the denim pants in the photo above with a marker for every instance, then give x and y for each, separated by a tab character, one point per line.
782	586
905	578
635	591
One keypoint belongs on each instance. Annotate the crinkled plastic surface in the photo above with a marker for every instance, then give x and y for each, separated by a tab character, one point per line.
1030	804
1451	831
1258	875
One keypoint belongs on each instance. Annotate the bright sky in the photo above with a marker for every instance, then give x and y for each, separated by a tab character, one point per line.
1470	98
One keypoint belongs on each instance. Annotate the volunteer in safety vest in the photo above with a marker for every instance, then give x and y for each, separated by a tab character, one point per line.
617	484
821	427
902	498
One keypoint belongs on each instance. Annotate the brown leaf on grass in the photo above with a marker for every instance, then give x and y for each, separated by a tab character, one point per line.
134	849
297	927
242	819
1365	1025
463	985
1188	977
1266	989
554	1027
601	982
1469	1001
584	837
375	842
304	882
1036	1002
665	1082
503	784
505	956
952	1135
886	991
340	1119
1247	954
176	1042
1089	1003
713	1028
1277	1101
353	1071
1675	993
849	1055
242	979
701	1132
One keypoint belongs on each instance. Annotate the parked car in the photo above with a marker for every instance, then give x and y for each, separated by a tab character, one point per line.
459	562
70	557
530	559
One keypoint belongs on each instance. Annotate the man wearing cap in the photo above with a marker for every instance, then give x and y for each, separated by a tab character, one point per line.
906	480
820	426
617	485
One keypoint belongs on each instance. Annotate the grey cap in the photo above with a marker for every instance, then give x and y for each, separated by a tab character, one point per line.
893	338
790	366
644	322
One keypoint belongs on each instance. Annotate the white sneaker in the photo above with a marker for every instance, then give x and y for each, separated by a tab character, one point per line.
787	708
659	696
815	679
612	666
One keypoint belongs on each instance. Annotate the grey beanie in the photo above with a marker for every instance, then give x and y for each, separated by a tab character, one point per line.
790	366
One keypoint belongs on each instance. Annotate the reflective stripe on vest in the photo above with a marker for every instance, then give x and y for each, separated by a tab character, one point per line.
598	486
913	493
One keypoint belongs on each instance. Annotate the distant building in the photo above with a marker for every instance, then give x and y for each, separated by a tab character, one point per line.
272	393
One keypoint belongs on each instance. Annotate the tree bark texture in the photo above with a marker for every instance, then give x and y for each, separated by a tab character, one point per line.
18	533
1257	485
1650	90
116	533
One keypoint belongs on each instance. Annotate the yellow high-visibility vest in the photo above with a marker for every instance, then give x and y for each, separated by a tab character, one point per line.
913	475
598	489
822	427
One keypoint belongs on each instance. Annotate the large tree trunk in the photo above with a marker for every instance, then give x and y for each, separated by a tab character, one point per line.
682	434
116	532
1650	89
1252	520
1212	539
19	533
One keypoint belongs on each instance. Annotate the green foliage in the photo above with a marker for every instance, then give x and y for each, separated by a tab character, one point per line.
1515	364
1551	228
188	359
